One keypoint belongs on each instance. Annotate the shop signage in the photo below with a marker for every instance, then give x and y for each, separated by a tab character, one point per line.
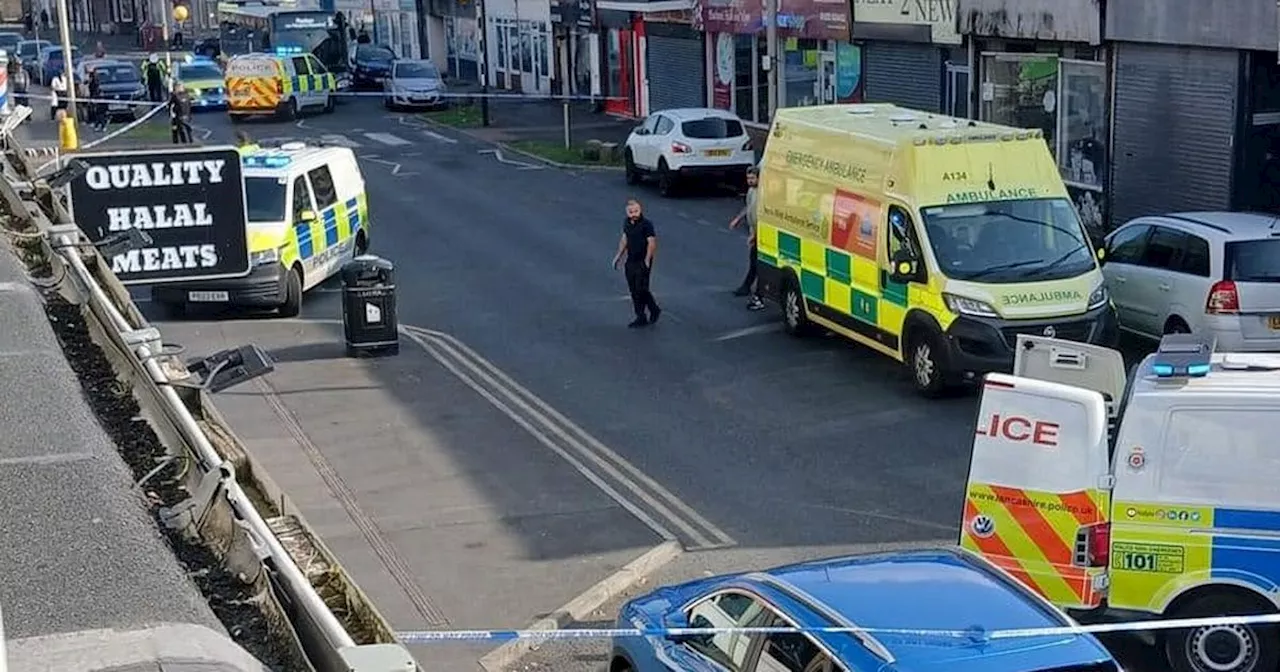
814	19
939	15
190	203
573	12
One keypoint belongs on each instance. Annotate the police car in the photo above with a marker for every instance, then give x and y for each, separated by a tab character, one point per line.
308	215
203	79
856	613
1138	497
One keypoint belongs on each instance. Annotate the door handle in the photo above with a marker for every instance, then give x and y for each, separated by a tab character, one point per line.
1164	287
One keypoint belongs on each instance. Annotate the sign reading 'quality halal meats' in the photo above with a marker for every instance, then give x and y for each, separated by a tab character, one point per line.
189	201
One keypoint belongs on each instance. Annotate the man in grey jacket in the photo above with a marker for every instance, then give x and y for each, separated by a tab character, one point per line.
748	215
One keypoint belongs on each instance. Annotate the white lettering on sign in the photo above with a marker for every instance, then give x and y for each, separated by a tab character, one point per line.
158	216
1019	429
165	259
172	173
940	15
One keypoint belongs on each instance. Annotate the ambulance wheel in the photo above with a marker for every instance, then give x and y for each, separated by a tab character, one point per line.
794	319
1223	648
926	362
329	104
292	294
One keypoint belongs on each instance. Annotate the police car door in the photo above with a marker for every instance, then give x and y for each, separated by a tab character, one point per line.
302	87
1036	496
309	231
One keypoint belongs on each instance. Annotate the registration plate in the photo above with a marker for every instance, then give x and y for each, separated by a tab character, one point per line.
117	106
1273	321
716	152
207	297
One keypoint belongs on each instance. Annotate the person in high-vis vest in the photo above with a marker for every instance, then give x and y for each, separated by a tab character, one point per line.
245	145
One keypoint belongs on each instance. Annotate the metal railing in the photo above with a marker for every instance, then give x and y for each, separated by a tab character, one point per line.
320	634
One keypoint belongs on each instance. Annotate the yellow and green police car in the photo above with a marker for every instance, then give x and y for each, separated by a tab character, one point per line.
204	82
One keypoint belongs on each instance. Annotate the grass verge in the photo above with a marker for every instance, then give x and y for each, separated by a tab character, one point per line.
577	155
457	116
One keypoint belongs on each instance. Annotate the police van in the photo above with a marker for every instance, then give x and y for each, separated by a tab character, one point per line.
307	216
1141	497
284	84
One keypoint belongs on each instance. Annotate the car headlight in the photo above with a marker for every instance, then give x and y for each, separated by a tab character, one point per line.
963	305
1100	297
265	257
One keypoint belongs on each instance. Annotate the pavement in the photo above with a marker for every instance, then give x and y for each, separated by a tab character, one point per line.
89	582
525	445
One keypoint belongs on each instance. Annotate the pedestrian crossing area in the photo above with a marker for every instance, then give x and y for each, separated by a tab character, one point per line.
359	140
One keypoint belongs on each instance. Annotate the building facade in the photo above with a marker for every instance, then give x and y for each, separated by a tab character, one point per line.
1196	106
1042	64
519	45
452	36
913	54
576	48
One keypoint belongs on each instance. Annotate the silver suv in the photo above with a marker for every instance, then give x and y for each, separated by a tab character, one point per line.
1210	273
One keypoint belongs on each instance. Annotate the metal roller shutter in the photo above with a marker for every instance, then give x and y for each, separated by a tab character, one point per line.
1174	115
677	76
904	73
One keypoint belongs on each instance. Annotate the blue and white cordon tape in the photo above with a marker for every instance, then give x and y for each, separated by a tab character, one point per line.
959	636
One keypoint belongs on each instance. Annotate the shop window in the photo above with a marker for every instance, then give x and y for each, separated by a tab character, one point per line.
762	81
540	50
525	30
1082	121
614	56
1021	90
801	59
500	30
744	68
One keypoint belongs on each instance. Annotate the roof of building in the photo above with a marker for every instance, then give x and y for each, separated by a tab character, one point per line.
84	563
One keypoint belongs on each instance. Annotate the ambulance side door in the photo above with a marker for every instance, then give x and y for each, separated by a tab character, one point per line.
1036	490
900	241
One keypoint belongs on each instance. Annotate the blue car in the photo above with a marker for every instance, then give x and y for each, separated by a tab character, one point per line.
950	590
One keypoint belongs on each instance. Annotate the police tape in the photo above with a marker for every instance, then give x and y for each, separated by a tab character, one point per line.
975	634
124	129
516	97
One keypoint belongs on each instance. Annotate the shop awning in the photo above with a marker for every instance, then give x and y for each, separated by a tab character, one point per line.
645	7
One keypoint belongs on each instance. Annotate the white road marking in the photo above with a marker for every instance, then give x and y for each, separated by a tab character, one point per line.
204	132
301	123
388	139
497	154
750	331
436	136
395	167
339	140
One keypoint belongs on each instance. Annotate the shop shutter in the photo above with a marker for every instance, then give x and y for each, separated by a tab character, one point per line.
677	73
1174	114
903	73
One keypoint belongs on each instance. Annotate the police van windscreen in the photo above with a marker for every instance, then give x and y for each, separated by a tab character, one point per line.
712	128
264	199
1253	260
1012	241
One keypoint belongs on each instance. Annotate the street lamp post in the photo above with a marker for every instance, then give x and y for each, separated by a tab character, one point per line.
483	62
64	27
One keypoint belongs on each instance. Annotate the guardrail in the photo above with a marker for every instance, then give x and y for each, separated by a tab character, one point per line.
265	549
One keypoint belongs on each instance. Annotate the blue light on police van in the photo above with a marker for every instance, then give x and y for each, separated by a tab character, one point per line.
288	50
1183	355
269	161
1162	370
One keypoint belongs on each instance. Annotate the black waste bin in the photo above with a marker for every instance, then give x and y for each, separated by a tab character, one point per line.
369	306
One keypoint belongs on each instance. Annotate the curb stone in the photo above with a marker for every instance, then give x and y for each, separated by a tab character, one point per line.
504	146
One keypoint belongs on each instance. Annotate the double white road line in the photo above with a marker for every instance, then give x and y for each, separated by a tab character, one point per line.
631	488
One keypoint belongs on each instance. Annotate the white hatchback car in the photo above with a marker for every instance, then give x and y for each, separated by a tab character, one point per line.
676	146
1211	273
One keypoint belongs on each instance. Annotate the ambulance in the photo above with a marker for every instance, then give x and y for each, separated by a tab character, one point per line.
283	84
308	215
929	239
1137	498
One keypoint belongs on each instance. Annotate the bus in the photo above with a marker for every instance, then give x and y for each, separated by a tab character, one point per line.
255	27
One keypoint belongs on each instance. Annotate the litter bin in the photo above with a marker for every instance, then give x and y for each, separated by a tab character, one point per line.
369	306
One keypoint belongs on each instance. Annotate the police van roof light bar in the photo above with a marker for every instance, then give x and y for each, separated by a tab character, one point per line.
288	50
265	160
1183	355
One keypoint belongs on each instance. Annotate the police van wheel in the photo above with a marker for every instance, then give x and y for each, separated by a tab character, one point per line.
291	110
794	319
236	118
1223	648
292	294
328	104
925	363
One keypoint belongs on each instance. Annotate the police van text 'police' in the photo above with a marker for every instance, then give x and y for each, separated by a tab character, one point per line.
1021	430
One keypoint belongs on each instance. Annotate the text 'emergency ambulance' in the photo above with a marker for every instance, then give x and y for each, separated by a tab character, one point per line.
1021	430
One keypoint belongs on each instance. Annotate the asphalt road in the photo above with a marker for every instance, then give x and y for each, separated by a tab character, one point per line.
756	440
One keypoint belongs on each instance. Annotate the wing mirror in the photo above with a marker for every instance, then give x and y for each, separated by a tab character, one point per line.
641	130
905	266
1101	253
677	620
307	216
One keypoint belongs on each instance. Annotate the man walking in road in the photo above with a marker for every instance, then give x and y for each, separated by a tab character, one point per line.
639	243
748	216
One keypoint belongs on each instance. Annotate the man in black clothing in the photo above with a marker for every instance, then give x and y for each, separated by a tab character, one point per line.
180	115
97	110
154	73
639	243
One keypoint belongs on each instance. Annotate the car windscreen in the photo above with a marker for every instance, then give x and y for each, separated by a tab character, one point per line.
264	199
416	70
1009	241
117	74
712	128
31	48
56	54
368	53
1253	260
191	73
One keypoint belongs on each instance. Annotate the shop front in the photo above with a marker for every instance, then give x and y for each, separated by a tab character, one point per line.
1196	108
913	53
573	36
395	24
818	64
675	61
1048	73
623	68
449	31
519	44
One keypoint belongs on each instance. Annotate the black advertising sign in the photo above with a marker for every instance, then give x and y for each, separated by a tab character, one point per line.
189	201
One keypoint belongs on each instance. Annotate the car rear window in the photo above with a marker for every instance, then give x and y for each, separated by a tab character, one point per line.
1254	260
712	128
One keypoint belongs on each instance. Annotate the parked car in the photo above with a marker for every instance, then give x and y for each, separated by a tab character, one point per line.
414	83
681	145
29	51
51	62
372	65
1210	273
9	42
121	81
940	589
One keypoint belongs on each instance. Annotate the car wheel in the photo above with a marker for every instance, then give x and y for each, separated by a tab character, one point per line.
1226	647
633	173
794	318
666	180
925	362
1176	325
292	294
